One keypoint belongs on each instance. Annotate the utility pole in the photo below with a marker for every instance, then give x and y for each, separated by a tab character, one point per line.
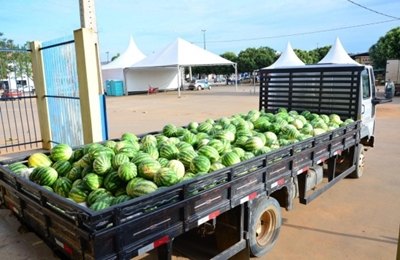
204	38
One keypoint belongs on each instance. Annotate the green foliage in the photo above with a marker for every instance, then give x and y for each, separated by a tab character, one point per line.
252	59
312	56
387	47
17	60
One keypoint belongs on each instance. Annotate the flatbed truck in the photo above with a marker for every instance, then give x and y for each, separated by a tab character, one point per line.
232	213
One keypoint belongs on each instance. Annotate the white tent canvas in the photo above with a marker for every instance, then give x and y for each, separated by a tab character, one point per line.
337	55
287	58
171	59
114	69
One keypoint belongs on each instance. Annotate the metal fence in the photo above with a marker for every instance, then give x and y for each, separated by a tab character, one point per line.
19	125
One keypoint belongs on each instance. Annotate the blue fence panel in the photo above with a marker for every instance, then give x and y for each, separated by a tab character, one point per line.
62	91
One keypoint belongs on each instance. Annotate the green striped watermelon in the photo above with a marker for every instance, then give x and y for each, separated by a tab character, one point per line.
169	151
62	167
78	194
102	164
112	181
62	186
44	175
166	177
200	164
17	167
119	159
148	168
93	181
230	158
96	194
186	157
127	171
178	167
61	152
210	152
139	186
131	137
120	199
169	130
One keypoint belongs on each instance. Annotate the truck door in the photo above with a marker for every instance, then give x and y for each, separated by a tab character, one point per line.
367	106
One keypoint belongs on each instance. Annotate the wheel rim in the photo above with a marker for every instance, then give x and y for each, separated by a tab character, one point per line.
361	161
265	227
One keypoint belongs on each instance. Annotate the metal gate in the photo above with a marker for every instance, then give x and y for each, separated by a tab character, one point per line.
19	126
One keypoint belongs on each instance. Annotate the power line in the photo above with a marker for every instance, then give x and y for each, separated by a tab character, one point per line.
301	33
374	11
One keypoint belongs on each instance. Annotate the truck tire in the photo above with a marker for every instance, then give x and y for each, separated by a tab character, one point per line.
358	172
265	223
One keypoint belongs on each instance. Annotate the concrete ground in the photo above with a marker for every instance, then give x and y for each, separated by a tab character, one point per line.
355	219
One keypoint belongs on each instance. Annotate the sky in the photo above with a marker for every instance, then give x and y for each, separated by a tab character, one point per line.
220	25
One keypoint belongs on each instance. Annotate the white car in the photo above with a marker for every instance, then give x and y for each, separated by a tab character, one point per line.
199	84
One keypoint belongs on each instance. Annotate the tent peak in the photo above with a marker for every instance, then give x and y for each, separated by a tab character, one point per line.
337	55
287	58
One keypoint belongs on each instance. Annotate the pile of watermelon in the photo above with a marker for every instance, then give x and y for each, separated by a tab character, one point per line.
101	175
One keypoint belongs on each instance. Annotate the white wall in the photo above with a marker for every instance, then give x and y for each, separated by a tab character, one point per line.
161	78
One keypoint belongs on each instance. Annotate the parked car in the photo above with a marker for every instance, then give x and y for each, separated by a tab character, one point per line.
11	94
199	84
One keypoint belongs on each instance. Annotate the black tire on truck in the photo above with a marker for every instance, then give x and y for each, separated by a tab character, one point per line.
265	223
358	172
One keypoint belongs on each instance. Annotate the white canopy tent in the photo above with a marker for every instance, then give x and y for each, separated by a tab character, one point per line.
163	69
337	55
115	69
287	58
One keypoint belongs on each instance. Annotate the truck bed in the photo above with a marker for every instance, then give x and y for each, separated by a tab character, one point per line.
134	227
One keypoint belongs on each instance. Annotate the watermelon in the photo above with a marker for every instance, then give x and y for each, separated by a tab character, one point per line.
17	167
148	139
210	152
84	161
93	181
216	166
186	157
62	167
110	144
38	159
148	168
239	151
96	194
169	130
217	144
204	127
188	176
152	151
120	199
139	186
178	167
163	161
119	159
140	156
100	205
101	164
230	158
247	156
182	146
102	150
77	154
62	186
166	177
44	175
112	181
131	137
253	143
169	151
78	194
61	152
199	164
189	138
127	171
74	173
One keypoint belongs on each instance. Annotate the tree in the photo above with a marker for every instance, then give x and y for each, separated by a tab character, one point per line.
252	59
312	56
387	47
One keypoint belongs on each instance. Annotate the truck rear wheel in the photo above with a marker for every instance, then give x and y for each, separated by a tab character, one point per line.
265	224
358	172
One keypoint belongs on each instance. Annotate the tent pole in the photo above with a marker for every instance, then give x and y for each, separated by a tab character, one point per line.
236	78
179	87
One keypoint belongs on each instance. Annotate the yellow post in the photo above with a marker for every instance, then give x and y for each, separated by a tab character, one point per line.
90	86
40	89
